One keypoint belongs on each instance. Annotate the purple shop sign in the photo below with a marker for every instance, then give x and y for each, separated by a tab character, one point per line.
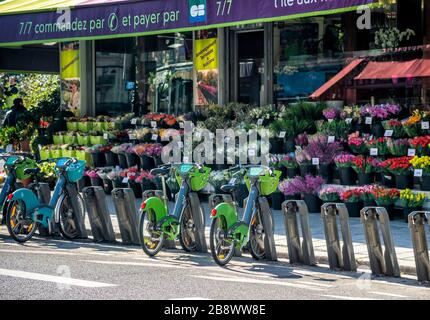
141	17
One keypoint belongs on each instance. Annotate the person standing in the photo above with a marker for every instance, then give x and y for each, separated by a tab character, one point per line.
13	115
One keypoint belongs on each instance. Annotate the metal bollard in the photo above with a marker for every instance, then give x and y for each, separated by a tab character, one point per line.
339	258
298	252
128	216
417	221
381	262
72	190
100	222
215	200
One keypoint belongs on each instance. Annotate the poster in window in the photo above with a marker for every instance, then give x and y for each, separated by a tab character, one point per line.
206	66
70	77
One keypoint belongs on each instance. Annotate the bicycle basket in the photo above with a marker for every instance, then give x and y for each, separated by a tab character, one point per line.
75	171
268	184
198	180
26	164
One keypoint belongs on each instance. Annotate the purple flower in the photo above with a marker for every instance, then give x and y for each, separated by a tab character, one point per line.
292	187
319	147
331	113
313	184
302	140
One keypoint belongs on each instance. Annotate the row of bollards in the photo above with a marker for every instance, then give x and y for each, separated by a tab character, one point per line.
376	224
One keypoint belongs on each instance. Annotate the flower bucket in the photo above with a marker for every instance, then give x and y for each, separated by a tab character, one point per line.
404	181
70	139
109	125
408	211
45	154
306	169
313	203
365	179
58	139
82	155
425	183
326	171
56	153
146	185
72	126
96	182
83	140
97	159
277	199
136	187
85	126
292	172
111	159
354	208
122	161
347	176
107	186
132	160
97	140
99	126
69	153
146	163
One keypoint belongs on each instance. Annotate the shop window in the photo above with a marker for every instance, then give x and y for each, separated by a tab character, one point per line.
115	76
165	72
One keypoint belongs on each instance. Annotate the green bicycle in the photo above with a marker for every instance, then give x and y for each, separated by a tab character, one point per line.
228	232
158	226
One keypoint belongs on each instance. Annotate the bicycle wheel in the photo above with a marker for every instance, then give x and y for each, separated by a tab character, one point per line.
20	226
152	240
222	249
68	228
187	235
257	238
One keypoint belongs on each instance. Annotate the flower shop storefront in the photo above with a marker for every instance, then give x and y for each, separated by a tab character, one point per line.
343	126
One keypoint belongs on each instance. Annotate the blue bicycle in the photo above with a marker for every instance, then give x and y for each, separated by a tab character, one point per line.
14	166
25	213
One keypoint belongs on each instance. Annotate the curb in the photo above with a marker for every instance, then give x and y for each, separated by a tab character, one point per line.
407	270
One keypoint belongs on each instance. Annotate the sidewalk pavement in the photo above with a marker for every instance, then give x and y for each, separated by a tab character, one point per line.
399	229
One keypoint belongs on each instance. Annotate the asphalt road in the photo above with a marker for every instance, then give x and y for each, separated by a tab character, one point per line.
59	269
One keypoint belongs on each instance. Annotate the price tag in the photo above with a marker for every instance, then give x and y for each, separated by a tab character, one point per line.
412	152
389	133
425	125
233	181
374	151
282	134
348	120
388	178
9	148
154	137
134	121
260	122
369	120
330	120
331	139
125	180
132	136
154	124
315	161
181	125
251	153
105	136
180	144
418	173
186	159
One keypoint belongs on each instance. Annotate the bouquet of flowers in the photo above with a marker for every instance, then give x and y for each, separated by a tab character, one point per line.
397	166
408	199
421	144
412	125
319	147
148	149
344	160
144	176
385	196
331	113
292	187
366	192
302	140
123	148
331	193
358	144
421	163
351	195
352	113
380	144
288	162
362	164
394	125
381	112
302	157
398	147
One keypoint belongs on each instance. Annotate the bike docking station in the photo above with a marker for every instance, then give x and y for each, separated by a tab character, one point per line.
199	221
417	221
100	221
381	262
128	215
298	252
72	191
339	258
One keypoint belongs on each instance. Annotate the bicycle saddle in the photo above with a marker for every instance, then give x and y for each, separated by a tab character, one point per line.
229	188
32	171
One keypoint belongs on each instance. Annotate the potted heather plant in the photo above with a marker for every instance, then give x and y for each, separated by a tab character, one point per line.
353	201
305	162
365	168
343	162
411	202
292	188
